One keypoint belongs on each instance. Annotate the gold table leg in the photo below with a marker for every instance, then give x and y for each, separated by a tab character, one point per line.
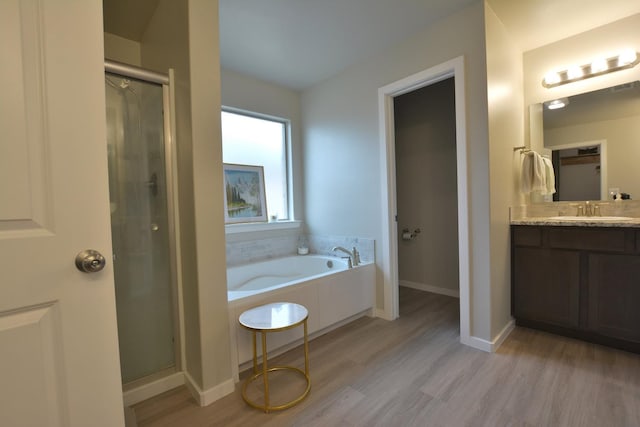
255	353
265	373
306	350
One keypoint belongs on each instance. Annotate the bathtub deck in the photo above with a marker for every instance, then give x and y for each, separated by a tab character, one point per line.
413	371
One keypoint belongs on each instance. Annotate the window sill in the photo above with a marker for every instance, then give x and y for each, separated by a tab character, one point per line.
251	227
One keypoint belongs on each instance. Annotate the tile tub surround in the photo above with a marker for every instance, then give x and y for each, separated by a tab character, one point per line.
539	213
323	244
248	250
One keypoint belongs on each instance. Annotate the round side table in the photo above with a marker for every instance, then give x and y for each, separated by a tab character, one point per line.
275	317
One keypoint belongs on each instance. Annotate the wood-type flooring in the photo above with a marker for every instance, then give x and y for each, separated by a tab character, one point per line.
414	372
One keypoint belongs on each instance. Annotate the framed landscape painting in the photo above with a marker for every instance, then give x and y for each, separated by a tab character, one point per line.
244	194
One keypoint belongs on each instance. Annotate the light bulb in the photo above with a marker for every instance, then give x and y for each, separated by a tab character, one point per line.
599	65
575	72
552	78
627	57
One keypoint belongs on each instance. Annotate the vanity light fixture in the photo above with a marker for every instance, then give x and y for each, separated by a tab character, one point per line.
626	59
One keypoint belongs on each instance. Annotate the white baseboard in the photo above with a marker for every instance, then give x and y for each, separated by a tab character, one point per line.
503	334
490	346
430	288
207	397
146	391
381	313
477	343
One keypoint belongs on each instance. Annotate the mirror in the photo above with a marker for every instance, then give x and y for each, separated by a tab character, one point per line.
581	171
595	142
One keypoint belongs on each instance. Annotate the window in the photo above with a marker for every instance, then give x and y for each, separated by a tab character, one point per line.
259	141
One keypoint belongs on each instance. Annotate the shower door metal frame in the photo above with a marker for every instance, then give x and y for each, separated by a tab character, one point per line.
166	81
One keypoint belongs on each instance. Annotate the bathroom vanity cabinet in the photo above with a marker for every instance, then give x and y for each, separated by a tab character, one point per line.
582	282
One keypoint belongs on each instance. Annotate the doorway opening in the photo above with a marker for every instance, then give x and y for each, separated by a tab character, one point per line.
143	229
390	219
426	192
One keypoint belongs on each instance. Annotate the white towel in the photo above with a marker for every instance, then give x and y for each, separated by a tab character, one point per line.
533	178
550	176
526	171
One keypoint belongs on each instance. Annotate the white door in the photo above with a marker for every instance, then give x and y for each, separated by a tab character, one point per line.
58	341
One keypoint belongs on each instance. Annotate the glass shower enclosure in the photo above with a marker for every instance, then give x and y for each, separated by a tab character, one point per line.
141	227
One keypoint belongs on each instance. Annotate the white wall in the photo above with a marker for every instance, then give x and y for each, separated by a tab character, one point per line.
164	46
341	144
119	49
426	182
506	130
184	36
577	50
249	94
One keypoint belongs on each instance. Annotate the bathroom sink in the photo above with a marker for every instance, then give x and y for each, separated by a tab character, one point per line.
591	218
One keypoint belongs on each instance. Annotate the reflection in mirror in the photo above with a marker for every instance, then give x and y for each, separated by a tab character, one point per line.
601	130
581	171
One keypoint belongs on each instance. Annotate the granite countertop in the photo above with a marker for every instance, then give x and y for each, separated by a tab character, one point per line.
586	222
622	213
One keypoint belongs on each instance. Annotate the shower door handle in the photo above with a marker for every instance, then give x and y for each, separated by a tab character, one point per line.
90	261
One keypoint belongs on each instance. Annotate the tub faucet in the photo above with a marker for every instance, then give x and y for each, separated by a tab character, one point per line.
352	255
356	256
349	263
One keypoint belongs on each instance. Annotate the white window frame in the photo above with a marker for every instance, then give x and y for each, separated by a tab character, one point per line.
291	222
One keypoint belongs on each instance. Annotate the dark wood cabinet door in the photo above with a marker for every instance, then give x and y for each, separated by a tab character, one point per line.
546	286
614	296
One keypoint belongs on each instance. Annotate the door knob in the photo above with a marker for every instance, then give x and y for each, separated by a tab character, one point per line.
90	261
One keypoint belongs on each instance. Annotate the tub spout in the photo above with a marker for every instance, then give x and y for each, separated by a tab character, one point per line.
353	256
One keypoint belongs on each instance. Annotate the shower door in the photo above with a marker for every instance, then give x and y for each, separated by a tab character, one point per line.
140	227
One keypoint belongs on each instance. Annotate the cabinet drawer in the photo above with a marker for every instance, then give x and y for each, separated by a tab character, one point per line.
605	239
527	236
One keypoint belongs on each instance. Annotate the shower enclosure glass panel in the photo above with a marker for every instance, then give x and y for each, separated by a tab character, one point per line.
140	226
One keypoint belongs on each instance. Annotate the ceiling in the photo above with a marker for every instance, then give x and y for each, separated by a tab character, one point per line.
298	43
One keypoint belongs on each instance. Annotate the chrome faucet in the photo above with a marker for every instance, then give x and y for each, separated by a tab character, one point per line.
354	256
588	209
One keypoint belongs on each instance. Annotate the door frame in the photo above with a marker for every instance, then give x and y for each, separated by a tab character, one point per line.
389	245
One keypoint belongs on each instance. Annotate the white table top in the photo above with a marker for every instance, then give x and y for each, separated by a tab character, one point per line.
274	316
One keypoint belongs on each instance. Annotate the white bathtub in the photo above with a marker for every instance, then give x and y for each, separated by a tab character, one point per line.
265	276
330	290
